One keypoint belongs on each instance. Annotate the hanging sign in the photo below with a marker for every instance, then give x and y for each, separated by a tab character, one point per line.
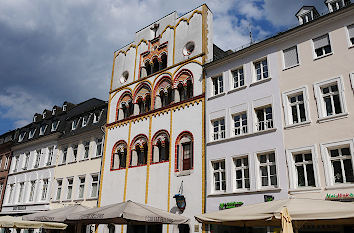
268	198
180	202
229	205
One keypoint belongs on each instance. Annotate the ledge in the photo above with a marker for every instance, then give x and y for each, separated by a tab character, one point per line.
72	162
332	118
91	199
288	68
342	186
242	136
260	81
183	173
237	89
298	125
82	160
96	157
305	189
66	200
246	192
326	55
30	170
216	96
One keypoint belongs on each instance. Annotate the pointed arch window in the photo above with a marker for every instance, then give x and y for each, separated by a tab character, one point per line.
139	151
119	156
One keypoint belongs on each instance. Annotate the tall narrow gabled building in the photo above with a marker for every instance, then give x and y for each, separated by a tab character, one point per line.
155	127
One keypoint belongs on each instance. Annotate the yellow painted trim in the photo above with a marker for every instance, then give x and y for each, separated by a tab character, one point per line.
183	105
131	46
163	74
158	73
136	58
168	26
114	61
148	163
137	85
179	67
189	18
127	164
204	33
104	153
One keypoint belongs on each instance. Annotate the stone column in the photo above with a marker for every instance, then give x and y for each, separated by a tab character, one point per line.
134	158
177	98
136	109
158	103
156	154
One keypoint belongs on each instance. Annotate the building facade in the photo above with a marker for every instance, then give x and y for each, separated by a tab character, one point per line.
154	136
78	162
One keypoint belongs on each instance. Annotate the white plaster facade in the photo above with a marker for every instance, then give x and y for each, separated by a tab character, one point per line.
155	180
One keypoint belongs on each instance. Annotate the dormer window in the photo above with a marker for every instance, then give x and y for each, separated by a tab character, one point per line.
22	136
84	121
55	125
44	114
307	18
97	116
34	118
334	5
31	133
64	107
54	111
307	14
74	124
42	130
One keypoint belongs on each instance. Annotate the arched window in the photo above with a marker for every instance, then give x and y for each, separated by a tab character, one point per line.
181	92
119	155
148	68
142	98
125	107
161	147
184	152
139	151
189	89
163	93
163	61
156	65
184	86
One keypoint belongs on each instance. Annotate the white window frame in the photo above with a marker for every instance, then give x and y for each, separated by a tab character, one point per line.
348	36
91	185
26	162
221	133
220	88
21	136
50	155
327	162
79	187
41	130
75	123
84	122
321	109
20	192
292	170
351	76
75	148
86	154
242	168
242	127
32	190
232	78
37	161
258	173
315	57
255	80
99	153
11	193
297	54
220	171
6	164
59	189
95	120
67	187
45	189
65	152
287	107
56	127
32	133
257	122
17	161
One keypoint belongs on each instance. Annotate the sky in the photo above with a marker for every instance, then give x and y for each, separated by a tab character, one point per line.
62	50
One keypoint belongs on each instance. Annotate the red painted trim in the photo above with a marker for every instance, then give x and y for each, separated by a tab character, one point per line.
113	149
160	162
183	71
120	100
138	88
157	85
156	110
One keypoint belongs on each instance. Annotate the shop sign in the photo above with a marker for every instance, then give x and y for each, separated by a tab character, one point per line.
268	198
19	207
180	201
340	196
229	205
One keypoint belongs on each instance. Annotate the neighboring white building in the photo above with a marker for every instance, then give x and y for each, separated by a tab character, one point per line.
154	135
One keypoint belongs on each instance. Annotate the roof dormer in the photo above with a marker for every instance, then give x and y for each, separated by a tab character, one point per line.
37	117
334	5
46	114
307	14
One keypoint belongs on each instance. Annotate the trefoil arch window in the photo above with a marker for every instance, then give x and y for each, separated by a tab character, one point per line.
119	155
161	147
139	151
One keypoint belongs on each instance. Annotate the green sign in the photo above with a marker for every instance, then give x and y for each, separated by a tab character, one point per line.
229	205
338	196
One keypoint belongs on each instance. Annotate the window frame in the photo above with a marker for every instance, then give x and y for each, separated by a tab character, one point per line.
179	153
57	192
319	99
242	168
221	133
94	182
220	171
254	71
297	54
315	57
292	170
220	88
45	189
56	126
68	179
101	144
32	190
80	184
287	107
256	120
258	173
350	44
330	182
351	77
241	127
232	78
86	145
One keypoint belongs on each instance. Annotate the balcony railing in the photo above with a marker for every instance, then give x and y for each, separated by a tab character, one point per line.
240	130
219	135
264	125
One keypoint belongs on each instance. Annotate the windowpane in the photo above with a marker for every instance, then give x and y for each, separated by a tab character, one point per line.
271	157
273	180
337	169
348	168
300	175
328	104
310	175
337	107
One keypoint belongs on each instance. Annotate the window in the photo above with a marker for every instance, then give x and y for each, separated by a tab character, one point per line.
99	147
184	147
337	5
264	118
65	107
84	121
38	158
50	156
70	188
351	34
94	185
97	116
218	85
219	176
267	168
295	104
44	190
322	46
238	78
32	189
1	188
306	17
59	187
240	124
20	192
218	129
341	164
11	193
25	166
242	174
75	152
261	69
17	158
305	175
119	156
65	153
42	129
54	111
81	187
6	164
161	148
31	133
331	100
87	149
54	125
21	136
291	58
74	124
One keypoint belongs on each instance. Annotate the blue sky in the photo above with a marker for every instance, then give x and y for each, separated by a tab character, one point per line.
56	51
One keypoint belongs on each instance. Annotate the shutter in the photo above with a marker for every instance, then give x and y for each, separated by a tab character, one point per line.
351	31
290	57
321	41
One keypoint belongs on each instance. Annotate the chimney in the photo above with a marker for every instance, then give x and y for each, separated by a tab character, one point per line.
307	14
